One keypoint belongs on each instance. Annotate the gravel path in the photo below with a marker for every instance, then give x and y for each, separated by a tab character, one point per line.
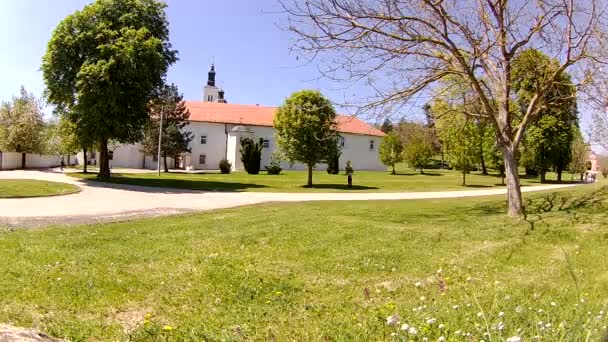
99	202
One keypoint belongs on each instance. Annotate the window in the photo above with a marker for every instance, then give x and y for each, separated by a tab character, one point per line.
203	139
371	145
266	143
210	98
110	155
202	159
342	142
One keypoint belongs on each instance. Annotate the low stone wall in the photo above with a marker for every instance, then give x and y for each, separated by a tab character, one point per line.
12	160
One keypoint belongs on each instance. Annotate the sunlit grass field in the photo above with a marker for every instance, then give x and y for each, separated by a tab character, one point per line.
329	271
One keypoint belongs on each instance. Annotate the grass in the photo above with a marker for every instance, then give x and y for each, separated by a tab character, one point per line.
292	181
19	188
330	271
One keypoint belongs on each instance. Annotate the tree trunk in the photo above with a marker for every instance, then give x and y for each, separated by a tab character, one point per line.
165	162
421	171
68	159
86	161
309	183
464	178
559	174
23	160
484	170
392	173
514	199
543	176
104	162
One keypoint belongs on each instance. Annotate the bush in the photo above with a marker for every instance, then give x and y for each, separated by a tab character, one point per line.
333	163
605	173
274	167
349	168
225	166
251	155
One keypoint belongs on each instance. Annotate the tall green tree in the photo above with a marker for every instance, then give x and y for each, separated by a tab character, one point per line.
418	144
175	140
579	154
461	136
22	125
391	150
305	126
386	126
103	65
548	140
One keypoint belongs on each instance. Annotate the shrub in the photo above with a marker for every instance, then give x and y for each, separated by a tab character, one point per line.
251	155
274	167
333	162
349	168
225	166
605	173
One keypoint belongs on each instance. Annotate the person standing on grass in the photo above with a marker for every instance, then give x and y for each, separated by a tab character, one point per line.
349	173
62	163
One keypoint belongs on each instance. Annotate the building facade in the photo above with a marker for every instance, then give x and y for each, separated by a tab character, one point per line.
217	128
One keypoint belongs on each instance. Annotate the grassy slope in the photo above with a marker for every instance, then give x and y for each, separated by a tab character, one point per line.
292	181
311	271
10	188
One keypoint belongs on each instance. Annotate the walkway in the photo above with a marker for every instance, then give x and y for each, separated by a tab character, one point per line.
103	202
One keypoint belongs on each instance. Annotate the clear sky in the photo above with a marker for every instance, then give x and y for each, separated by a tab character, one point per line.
252	57
251	53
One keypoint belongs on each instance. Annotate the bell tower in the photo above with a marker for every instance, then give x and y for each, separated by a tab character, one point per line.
210	91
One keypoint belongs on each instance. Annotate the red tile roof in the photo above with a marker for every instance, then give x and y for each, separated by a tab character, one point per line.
263	116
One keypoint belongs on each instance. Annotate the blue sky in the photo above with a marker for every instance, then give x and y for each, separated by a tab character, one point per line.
251	53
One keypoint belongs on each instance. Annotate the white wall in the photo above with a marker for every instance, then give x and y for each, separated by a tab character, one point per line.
356	149
12	160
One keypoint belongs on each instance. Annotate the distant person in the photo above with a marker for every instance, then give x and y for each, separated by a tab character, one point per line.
62	163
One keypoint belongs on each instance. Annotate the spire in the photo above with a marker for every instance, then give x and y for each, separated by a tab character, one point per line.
220	96
211	76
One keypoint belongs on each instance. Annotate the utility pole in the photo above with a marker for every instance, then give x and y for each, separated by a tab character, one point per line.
160	137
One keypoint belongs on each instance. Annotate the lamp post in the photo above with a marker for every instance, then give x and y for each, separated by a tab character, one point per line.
160	138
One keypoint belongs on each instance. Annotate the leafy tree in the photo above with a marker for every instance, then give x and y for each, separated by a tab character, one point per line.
305	126
549	138
251	155
103	66
175	139
402	48
333	159
579	154
461	138
387	126
418	149
22	125
391	151
496	160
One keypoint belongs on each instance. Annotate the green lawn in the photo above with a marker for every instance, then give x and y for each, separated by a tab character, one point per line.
293	181
320	271
16	188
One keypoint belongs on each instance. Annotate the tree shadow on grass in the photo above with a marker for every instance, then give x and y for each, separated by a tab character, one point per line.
432	174
477	186
339	187
168	186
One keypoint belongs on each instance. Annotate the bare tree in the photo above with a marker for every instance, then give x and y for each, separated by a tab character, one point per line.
401	48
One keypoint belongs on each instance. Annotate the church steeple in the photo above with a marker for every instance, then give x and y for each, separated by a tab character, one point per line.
211	76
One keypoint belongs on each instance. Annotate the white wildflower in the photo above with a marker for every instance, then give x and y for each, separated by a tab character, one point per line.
392	320
553	304
548	325
500	314
519	309
441	326
439	271
418	284
405	326
422	298
431	321
455	307
457	332
541	310
480	314
441	339
412	331
468	278
514	339
501	326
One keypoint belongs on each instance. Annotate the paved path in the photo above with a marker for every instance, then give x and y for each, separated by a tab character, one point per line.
102	201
